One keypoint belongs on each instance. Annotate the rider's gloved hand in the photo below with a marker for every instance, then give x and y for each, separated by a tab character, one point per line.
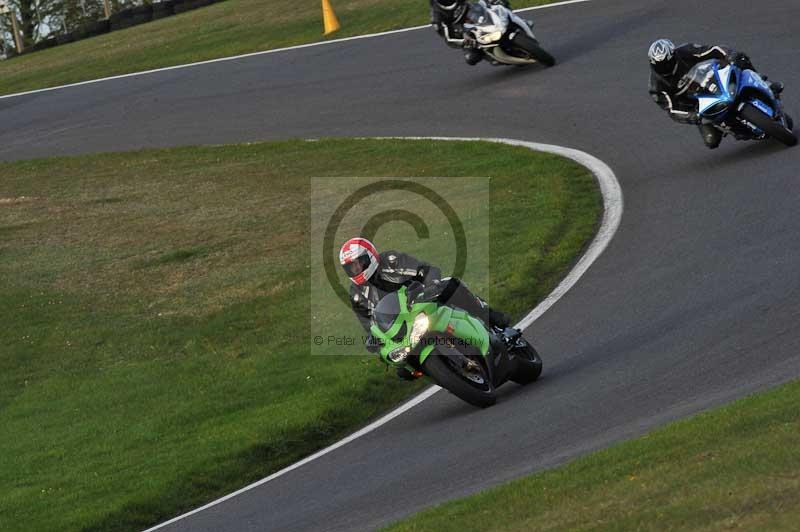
418	292
432	291
404	374
373	345
741	60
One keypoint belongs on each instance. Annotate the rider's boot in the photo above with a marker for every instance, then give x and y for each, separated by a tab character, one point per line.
490	316
711	135
473	56
775	86
498	319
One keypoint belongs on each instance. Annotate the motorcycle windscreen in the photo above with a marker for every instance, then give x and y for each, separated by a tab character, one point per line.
386	311
698	77
477	15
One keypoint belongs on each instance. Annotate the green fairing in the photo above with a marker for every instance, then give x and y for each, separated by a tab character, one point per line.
443	319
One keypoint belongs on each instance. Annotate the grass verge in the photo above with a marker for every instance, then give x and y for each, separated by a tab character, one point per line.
154	348
228	28
737	467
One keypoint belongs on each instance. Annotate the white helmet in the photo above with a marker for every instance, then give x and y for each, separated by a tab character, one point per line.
360	259
662	56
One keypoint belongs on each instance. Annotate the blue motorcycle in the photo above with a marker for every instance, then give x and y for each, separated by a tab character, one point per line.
738	102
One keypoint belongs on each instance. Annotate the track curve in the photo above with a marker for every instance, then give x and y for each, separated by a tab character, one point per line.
694	303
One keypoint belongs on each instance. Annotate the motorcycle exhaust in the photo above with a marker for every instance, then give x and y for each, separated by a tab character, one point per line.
510	59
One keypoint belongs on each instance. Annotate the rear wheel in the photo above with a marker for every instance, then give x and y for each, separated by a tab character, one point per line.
531	47
529	363
771	127
462	376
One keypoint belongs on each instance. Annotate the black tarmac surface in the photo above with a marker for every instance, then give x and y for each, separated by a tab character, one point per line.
695	302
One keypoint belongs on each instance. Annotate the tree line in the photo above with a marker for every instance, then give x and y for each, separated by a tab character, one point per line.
40	19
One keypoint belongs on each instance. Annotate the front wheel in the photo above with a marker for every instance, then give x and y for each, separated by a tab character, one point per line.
529	363
532	48
469	382
765	123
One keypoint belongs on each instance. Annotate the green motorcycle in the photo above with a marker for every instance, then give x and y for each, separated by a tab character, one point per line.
456	350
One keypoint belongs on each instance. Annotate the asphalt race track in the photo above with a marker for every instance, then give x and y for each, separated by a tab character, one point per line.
695	302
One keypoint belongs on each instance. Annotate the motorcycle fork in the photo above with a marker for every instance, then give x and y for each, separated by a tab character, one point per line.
498	361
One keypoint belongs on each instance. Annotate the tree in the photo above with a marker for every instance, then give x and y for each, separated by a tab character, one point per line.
77	13
35	18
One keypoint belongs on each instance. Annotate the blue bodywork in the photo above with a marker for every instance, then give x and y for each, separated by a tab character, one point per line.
722	91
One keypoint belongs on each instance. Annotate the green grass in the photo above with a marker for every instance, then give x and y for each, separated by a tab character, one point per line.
228	28
154	352
737	467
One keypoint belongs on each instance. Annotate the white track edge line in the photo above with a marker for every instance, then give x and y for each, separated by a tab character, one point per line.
613	205
254	54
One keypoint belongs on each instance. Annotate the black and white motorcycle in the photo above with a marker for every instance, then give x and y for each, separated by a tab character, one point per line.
504	37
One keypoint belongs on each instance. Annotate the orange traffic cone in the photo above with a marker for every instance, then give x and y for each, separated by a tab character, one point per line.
329	17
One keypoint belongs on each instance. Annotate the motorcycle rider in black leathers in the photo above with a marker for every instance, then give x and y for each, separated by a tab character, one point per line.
447	18
374	275
669	64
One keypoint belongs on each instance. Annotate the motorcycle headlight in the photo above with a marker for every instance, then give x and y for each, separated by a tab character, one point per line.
398	355
489	38
420	327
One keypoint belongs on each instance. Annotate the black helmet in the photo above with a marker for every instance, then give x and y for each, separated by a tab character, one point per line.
662	57
456	8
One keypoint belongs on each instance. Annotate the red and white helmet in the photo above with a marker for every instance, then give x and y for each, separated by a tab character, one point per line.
360	259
